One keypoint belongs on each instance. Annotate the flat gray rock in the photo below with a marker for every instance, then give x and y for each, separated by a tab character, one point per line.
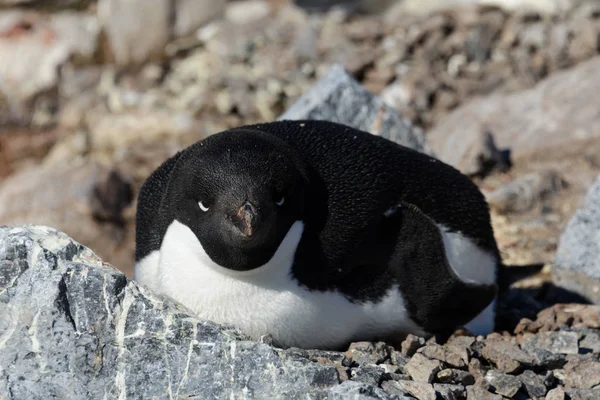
338	97
577	263
73	327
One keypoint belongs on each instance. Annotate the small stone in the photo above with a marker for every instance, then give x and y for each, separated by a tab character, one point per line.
507	356
461	345
422	369
479	393
590	342
388	368
504	384
450	392
583	394
367	353
359	391
534	384
420	390
557	393
476	369
555	342
399	359
581	375
437	352
369	374
411	344
455	376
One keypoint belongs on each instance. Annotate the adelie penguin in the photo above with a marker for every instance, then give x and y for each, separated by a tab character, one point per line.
318	234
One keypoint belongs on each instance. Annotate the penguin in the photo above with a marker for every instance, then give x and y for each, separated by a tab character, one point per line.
319	235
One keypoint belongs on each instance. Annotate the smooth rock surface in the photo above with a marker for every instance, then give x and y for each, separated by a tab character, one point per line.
563	102
577	263
72	327
339	98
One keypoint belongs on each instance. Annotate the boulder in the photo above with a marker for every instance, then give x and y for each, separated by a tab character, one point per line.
559	111
338	97
577	263
73	327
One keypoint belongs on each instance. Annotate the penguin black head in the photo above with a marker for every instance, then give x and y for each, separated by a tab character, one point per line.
240	192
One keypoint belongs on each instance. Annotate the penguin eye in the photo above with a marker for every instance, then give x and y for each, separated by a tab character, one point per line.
202	206
280	201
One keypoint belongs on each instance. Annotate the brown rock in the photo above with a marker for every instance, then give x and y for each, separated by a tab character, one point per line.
479	393
455	376
507	356
422	369
411	344
557	393
582	374
420	390
437	352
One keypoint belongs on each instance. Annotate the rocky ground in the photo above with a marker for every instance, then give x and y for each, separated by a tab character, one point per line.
505	91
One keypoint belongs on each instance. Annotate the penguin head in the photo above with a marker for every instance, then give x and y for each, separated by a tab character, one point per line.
239	192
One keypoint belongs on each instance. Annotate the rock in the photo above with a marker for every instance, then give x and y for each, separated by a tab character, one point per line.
190	15
461	345
507	356
577	264
74	327
33	47
360	391
581	374
479	393
560	103
590	342
411	344
525	192
422	369
553	342
583	394
420	390
89	205
339	98
533	384
437	352
367	353
450	392
248	11
504	384
47	4
369	374
556	394
455	376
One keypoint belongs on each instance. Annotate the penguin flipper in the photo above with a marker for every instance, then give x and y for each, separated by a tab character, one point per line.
436	298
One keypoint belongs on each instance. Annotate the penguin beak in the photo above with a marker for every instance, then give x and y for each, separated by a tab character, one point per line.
248	219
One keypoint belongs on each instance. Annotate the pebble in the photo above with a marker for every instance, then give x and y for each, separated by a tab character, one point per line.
455	376
504	384
507	356
479	393
437	352
422	369
369	374
420	390
367	353
450	392
533	384
411	344
554	342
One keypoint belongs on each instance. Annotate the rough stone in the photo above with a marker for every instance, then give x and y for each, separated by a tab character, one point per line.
507	356
553	342
455	376
533	384
74	327
450	392
360	391
583	394
367	352
479	393
461	345
422	369
420	390
369	374
504	384
411	344
437	352
581	374
577	264
337	97
557	393
590	342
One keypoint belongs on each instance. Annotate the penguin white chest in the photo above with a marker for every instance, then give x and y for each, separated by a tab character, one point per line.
266	300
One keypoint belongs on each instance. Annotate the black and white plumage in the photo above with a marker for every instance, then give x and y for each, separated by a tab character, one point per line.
317	234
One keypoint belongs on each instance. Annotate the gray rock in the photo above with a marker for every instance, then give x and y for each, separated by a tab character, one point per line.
368	353
555	342
534	384
437	352
507	356
563	102
450	392
590	342
350	390
370	374
419	390
583	394
557	393
422	369
577	263
504	384
479	393
73	327
337	97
